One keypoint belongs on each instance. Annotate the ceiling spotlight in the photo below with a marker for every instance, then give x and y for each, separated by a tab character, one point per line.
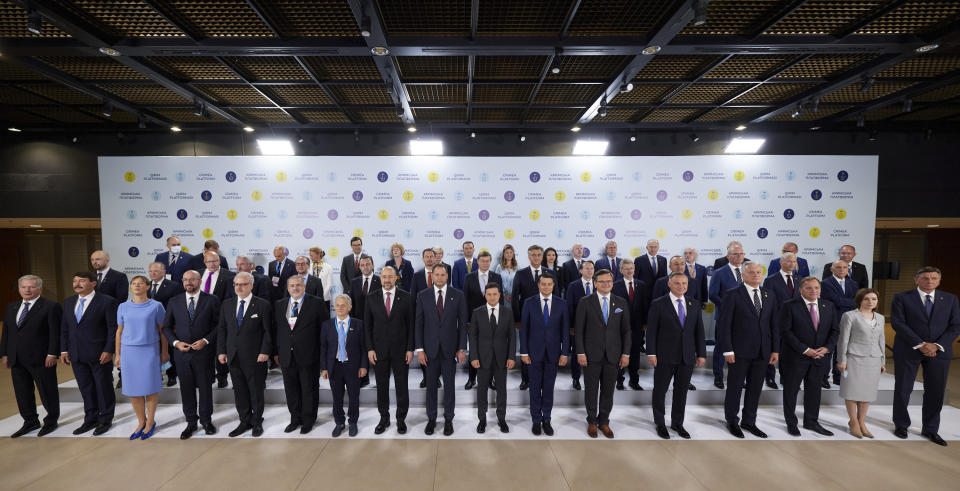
744	145
198	108
861	121
107	109
109	51
814	128
75	139
926	48
34	22
694	137
626	87
700	13
380	51
522	138
602	112
796	112
412	129
907	105
365	26
400	111
299	137
741	127
651	50
555	64
575	129
633	137
867	84
873	136
248	129
473	134
14	129
175	129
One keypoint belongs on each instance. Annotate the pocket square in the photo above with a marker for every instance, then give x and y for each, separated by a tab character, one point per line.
254	316
618	310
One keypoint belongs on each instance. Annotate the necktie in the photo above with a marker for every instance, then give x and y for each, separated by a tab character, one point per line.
173	259
356	263
153	291
739	277
240	313
429	280
692	270
928	305
756	301
99	278
606	310
588	288
843	287
483	282
814	316
192	309
206	284
23	315
387	305
536	276
578	265
295	309
341	342
279	267
546	311
653	265
790	284
366	286
440	303
469	264
493	318
613	264
630	289
682	314
82	300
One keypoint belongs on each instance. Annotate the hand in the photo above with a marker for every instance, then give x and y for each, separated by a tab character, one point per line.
563	361
199	344
164	356
372	356
276	359
409	357
363	372
223	359
511	363
51	361
422	358
525	359
652	359
823	351
573	332
701	362
811	353
105	358
461	356
624	361
730	358
65	358
324	375
842	367
582	360
475	363
883	369
183	347
774	357
262	358
6	364
116	361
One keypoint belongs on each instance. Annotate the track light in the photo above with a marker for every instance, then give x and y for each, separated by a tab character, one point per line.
926	48
141	123
626	87
365	26
107	109
907	105
34	22
299	137
555	64
522	137
248	129
873	136
796	112
14	129
867	84
700	13
399	111
694	137
198	108
602	112
741	127
175	129
861	121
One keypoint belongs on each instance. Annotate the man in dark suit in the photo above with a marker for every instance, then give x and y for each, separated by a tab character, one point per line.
312	285
610	261
362	285
493	341
463	266
858	272
802	269
841	291
724	279
809	328
279	270
441	342
603	340
109	280
544	336
190	325
474	286
637	297
439	260
675	345
784	285
661	288
218	282
245	342
749	340
29	347
422	280
650	267
571	269
175	260
343	362
298	319
697	274
199	263
350	267
576	290
161	289
388	327
87	342
927	322
524	287
261	284
724	260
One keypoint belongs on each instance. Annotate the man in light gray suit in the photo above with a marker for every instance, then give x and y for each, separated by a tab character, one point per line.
493	339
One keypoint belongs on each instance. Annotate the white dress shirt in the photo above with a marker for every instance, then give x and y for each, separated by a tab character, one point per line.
246	305
923	301
673	301
196	301
393	297
213	279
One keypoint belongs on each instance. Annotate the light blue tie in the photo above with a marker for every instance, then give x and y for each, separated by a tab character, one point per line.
588	288
546	312
606	310
341	342
80	309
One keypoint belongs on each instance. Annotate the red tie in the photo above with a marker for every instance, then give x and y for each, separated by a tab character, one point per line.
388	305
440	303
790	284
429	280
630	283
356	263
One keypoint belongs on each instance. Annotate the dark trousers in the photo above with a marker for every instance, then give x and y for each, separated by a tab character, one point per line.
196	375
249	381
636	351
752	372
718	361
397	365
600	378
791	374
436	367
95	382
772	373
301	386
836	373
662	374
222	370
543	376
45	379
934	385
345	377
499	376
574	366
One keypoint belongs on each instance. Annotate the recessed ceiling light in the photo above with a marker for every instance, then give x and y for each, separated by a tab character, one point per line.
36	226
412	129
14	129
175	129
744	145
933	225
426	147
248	129
651	50
109	51
741	127
591	147
814	128
380	51
926	48
275	147
575	129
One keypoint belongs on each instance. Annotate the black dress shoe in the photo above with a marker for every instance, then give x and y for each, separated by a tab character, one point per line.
635	385
900	432
102	428
662	432
26	428
836	380
401	426
469	385
524	385
306	428
933	437
576	385
448	428
482	426
352	429
337	430
171	381
772	384
423	384
492	385
381	427
753	429
816	428
365	381
91	425
793	430
257	430
536	429
681	431
503	426
825	384
547	429
209	429
431	425
691	387
221	382
620	385
188	432
718	382
735	430
291	427
240	429
47	429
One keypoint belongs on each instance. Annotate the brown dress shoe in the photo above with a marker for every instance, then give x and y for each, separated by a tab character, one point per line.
592	430
607	432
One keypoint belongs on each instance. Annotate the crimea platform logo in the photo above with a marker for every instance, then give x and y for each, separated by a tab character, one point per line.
357	195
231	176
762	233
182	214
157	233
133	252
458	233
816	194
842	176
129	176
687	176
484	215
206	195
332	215
509	196
534	176
788	214
382	176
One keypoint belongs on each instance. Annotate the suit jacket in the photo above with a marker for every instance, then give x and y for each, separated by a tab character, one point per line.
573	295
645	274
177	325
404	274
641	300
858	272
287	269
354	346
419	282
94	334
348	271
357	296
670	342
544	341
261	285
776	285
614	266
114	284
39	335
223	287
723	280
459	272
253	337
176	269
492	345
196	263
598	340
701	282
661	288
165	291
523	288
803	270
842	300
741	330
723	261
441	335
303	341
389	335
570	273
913	326
797	333
471	288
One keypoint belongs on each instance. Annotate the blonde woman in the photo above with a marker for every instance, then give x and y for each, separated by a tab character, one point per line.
321	269
861	357
507	269
403	267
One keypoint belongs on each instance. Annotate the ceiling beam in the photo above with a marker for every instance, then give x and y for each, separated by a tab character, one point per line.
570	15
172	16
262	15
316	80
774	16
897	97
385	65
869	17
474	18
471	66
55	102
680	88
237	71
536	88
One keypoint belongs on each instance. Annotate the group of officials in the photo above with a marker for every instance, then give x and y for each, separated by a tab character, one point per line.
598	317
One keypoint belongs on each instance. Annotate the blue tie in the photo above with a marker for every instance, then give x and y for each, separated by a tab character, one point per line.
279	265
80	309
680	312
192	309
23	315
341	342
240	314
588	288
928	305
293	311
546	312
606	310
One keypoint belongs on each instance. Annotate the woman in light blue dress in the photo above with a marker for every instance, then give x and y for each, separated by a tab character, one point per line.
138	354
507	269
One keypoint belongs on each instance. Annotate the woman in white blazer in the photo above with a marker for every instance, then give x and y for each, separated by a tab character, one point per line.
861	357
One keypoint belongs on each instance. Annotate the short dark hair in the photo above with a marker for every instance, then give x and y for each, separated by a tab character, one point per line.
547	274
602	272
808	279
485	254
467	242
928	269
355	238
438	265
364	256
211	244
86	274
425	251
863	292
675	273
534	247
492	284
585	261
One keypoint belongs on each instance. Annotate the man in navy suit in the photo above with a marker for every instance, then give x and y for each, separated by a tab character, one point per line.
463	266
858	272
360	287
675	345
175	260
576	290
544	334
388	327
109	280
312	285
261	284
697	274
198	262
525	286
571	268
927	322
749	340
298	319
724	280
279	270
840	290
422	280
343	360
29	347
650	267
610	261
87	342
474	286
784	285
162	290
441	340
635	293
724	260
809	328
190	324
803	270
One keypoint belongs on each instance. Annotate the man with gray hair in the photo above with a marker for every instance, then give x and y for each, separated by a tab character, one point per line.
840	290
650	266
697	273
261	284
724	279
29	347
802	269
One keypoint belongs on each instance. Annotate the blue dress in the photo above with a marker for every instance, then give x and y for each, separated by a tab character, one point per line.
507	276
140	347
